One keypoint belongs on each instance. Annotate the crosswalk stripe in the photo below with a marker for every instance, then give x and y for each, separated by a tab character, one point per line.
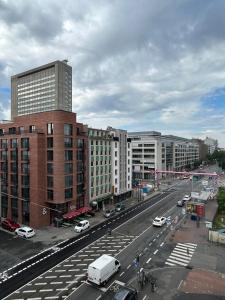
181	256
195	245
169	264
180	259
187	246
183	249
184	253
176	262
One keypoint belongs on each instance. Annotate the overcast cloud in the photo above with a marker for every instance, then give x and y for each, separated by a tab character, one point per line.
137	65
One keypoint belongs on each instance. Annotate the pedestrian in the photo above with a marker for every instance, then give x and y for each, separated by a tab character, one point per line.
109	231
188	251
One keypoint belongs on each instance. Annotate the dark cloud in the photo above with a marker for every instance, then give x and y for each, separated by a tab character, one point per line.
135	63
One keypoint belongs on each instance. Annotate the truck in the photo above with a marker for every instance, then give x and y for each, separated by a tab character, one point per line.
102	269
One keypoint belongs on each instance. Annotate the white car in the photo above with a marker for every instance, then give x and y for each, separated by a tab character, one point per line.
159	221
82	225
25	231
186	198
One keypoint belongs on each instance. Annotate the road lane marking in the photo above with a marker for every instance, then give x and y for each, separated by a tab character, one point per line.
155	251
128	267
148	260
180	284
121	274
161	244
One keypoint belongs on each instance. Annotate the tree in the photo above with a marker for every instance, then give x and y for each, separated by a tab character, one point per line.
221	200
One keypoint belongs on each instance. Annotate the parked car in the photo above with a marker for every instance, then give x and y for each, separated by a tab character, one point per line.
159	221
109	212
82	225
187	197
10	225
120	206
125	293
180	202
25	231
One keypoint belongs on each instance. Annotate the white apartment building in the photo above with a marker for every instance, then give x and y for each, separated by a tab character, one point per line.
100	167
121	164
212	144
152	151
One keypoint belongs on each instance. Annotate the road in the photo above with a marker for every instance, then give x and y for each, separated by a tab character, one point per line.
133	234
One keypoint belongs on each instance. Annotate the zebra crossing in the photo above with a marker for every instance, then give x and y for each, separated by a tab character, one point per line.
181	254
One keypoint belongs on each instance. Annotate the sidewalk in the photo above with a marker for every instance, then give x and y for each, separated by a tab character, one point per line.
206	272
52	235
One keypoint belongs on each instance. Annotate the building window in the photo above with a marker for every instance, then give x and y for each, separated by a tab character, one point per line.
26	212
68	142
116	172
4	144
12	130
25	155
50	155
80	155
50	181
68	193
50	128
25	191
25	168
115	153
25	143
14	143
49	168
68	168
32	128
4	206
68	181
25	179
115	180
21	129
68	129
50	142
115	162
68	155
14	155
14	203
50	194
80	178
14	168
80	143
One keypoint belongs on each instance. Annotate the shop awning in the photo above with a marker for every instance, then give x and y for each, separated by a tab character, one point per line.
77	212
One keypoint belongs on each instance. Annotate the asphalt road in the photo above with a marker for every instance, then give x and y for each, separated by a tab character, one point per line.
133	234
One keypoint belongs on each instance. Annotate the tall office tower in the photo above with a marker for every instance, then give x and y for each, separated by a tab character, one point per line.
42	89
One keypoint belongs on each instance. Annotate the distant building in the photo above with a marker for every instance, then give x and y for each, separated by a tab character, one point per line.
44	167
203	149
45	88
100	167
121	164
212	144
152	151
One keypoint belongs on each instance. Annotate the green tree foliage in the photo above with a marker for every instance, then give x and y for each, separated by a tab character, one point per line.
219	156
221	200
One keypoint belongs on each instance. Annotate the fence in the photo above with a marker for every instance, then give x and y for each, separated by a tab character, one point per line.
216	237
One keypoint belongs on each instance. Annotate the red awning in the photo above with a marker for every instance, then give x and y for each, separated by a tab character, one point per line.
75	213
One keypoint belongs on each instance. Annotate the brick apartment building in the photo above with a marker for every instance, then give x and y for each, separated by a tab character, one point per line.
44	167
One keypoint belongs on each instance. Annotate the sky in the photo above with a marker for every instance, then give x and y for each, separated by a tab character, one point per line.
137	65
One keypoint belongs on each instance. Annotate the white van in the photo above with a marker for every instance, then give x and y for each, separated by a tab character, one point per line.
100	270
